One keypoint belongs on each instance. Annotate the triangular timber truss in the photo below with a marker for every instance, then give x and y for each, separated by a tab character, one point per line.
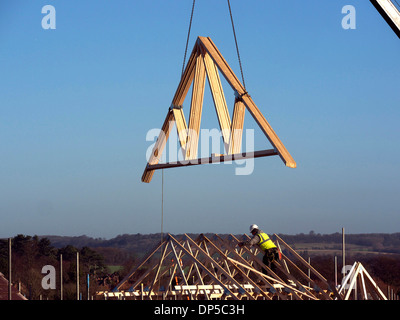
215	267
205	61
359	284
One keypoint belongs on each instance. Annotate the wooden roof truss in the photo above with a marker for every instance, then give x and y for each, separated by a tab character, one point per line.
359	285
206	62
216	268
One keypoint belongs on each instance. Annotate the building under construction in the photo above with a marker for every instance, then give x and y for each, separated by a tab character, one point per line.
217	268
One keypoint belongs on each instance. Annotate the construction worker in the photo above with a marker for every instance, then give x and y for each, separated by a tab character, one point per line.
262	240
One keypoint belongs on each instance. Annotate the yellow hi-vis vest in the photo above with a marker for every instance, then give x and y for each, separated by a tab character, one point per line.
265	242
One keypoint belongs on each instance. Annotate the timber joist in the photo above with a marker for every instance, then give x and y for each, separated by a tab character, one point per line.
204	62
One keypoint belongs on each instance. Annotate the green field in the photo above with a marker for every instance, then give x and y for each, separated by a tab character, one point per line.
333	249
113	269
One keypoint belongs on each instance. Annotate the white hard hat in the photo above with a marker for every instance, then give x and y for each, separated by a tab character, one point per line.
252	227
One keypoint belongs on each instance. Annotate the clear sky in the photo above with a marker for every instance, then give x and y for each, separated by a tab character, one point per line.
76	103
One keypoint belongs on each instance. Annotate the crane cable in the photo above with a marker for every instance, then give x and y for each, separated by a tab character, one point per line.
236	43
188	35
234	35
162	205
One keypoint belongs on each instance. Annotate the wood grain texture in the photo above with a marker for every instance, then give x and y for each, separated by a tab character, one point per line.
159	146
196	108
217	92
235	143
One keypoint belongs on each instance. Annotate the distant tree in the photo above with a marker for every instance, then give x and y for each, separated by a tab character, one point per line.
91	260
46	249
68	252
386	268
4	257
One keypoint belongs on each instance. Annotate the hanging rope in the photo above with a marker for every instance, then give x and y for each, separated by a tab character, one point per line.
234	35
188	35
162	205
237	47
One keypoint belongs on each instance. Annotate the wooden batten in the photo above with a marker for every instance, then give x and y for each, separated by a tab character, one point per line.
186	79
181	127
159	146
196	107
217	92
235	143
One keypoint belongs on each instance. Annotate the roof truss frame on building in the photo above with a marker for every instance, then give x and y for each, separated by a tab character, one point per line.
360	283
216	267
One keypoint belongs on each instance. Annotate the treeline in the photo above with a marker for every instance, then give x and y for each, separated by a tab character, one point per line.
139	244
30	254
128	245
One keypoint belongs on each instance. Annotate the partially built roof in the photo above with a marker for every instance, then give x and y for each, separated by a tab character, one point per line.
215	267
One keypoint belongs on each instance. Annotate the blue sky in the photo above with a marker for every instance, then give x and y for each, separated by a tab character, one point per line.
77	102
